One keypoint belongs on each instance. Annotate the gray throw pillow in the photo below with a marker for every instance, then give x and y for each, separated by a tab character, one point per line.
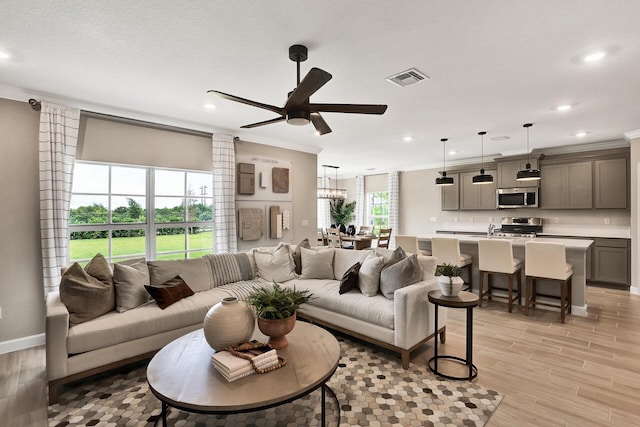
317	264
391	256
402	273
369	275
84	296
297	255
129	281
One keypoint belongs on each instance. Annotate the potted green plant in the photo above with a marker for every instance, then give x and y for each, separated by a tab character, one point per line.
342	213
276	310
449	279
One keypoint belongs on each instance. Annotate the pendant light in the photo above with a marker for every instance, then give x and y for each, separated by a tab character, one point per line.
328	192
528	174
444	179
483	178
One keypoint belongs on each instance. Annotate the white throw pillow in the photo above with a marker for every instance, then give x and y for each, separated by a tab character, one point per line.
317	264
129	282
369	275
428	264
277	265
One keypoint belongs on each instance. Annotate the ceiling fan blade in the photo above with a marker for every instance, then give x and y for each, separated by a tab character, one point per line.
266	122
273	108
318	122
314	80
348	108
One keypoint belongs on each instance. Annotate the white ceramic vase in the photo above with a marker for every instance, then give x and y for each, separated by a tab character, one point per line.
450	286
229	322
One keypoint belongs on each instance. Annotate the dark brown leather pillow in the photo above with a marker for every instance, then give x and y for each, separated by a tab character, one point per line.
169	292
349	279
297	255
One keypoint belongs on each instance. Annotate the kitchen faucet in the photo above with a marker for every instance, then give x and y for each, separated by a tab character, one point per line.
491	230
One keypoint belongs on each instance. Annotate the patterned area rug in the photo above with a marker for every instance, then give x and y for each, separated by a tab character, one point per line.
371	386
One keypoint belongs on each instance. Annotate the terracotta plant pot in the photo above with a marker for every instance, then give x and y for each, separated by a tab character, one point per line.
277	330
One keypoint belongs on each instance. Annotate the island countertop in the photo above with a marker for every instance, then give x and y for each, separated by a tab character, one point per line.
578	244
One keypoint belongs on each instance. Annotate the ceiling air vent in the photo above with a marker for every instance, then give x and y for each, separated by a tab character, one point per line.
406	78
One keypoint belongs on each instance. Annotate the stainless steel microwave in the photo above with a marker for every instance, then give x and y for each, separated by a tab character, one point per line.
510	198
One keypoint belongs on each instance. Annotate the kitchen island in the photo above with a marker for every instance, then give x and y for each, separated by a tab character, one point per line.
577	255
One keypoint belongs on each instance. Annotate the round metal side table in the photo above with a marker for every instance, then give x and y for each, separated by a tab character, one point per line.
468	301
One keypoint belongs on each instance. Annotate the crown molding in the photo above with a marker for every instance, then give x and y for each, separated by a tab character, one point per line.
633	134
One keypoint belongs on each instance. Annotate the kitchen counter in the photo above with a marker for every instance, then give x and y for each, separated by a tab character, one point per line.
607	231
576	249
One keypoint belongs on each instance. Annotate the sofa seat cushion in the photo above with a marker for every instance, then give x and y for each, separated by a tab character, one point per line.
376	310
147	320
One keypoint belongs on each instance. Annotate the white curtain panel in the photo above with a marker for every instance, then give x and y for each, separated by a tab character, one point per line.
57	146
394	197
224	197
324	212
360	202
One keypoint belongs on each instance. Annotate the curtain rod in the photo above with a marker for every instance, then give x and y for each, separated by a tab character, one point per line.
37	106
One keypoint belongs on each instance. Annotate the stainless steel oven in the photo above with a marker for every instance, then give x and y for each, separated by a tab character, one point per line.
510	198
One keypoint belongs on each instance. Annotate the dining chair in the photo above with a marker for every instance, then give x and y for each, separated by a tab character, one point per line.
447	251
322	237
547	260
333	237
495	256
384	235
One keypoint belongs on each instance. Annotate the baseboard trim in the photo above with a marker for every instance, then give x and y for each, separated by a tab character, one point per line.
579	310
21	343
634	290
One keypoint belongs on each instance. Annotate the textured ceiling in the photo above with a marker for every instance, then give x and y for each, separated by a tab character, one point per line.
493	65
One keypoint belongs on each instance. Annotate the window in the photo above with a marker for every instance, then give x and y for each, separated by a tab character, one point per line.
378	210
110	206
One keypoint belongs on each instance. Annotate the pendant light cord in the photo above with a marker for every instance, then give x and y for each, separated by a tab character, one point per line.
444	155
482	134
527	126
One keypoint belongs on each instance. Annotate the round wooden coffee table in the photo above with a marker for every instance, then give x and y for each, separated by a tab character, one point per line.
181	375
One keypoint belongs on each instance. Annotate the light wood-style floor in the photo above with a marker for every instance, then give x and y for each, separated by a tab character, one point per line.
583	373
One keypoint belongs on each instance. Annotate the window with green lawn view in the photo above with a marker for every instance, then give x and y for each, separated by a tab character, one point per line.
127	212
378	210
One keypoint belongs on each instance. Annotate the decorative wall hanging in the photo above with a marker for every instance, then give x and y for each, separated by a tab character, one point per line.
280	180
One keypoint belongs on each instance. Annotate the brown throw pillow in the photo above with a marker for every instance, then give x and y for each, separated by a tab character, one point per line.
84	296
99	268
169	292
349	279
297	255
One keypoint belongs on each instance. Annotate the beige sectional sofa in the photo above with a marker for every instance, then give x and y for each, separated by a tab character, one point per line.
400	321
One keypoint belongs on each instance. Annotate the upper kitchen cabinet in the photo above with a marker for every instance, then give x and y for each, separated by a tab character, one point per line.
450	194
567	186
611	184
508	169
477	196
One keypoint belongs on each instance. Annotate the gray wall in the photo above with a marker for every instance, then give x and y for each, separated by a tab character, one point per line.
21	289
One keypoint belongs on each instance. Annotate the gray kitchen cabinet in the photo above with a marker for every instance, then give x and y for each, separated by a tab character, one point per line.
567	186
477	196
450	200
508	170
611	184
611	261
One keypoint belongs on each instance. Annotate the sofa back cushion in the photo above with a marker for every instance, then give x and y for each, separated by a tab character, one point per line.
229	268
195	272
317	264
345	258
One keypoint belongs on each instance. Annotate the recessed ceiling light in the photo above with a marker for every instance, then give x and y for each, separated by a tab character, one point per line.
453	152
408	139
596	56
500	138
210	106
581	134
370	169
563	107
4	55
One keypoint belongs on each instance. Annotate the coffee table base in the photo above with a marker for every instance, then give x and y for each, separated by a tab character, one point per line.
323	417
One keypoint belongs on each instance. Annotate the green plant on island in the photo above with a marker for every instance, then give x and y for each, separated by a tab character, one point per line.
278	302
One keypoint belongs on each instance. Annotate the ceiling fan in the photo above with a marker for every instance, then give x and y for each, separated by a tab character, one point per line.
298	110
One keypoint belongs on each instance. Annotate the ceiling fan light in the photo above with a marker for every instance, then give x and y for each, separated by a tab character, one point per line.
298	118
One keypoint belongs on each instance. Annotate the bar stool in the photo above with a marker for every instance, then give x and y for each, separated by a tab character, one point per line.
544	260
447	251
495	256
410	245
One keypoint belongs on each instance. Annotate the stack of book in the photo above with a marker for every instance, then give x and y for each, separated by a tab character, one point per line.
233	367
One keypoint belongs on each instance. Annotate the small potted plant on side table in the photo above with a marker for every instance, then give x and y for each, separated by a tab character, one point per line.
276	310
449	279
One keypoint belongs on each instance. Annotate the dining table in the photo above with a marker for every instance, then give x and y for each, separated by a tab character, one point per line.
359	241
